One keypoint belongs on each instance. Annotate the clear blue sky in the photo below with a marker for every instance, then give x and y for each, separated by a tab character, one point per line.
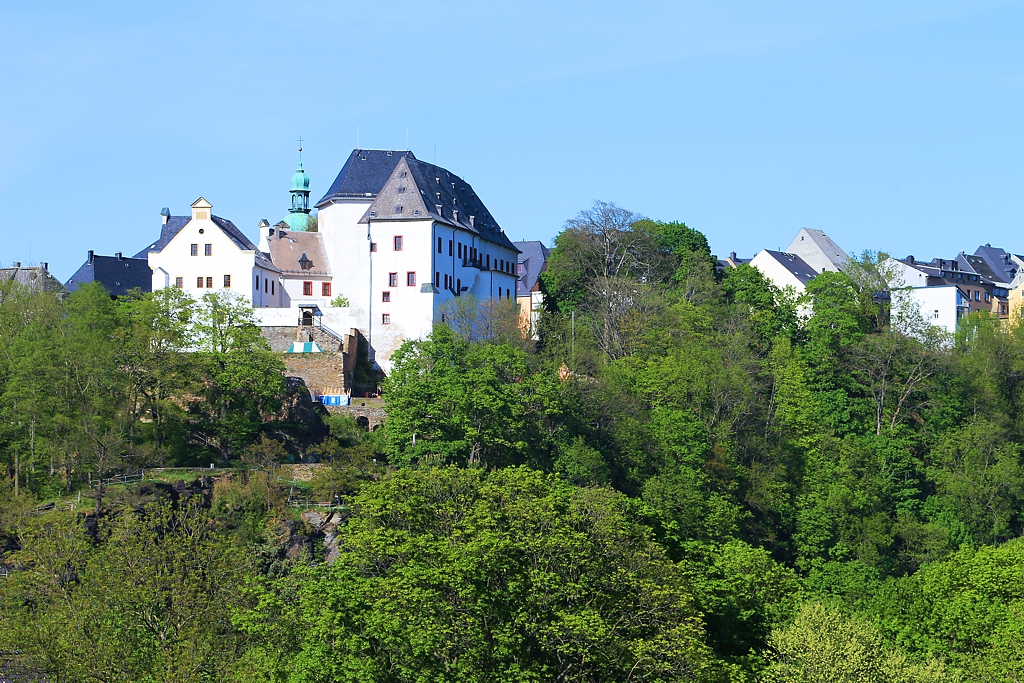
893	126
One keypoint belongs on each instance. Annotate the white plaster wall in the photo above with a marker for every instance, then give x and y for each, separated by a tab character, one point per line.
935	305
269	292
348	249
176	261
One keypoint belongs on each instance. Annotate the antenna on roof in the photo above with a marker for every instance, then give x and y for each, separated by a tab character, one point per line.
407	138
357	137
435	154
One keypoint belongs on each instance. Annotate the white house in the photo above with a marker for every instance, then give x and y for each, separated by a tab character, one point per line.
940	306
202	253
403	237
818	250
784	269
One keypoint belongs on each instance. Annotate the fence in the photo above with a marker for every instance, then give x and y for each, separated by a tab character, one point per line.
117	479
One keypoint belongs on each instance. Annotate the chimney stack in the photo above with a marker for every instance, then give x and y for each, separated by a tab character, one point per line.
910	260
732	255
90	255
165	214
117	255
46	266
16	264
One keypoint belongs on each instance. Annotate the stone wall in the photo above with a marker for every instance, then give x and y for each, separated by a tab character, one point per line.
279	338
323	373
370	417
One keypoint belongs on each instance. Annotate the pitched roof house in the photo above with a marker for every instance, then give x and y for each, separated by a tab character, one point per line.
116	273
818	250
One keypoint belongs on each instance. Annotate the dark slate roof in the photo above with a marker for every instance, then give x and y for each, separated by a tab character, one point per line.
795	265
36	278
438	194
534	258
168	230
117	275
1002	265
174	225
364	174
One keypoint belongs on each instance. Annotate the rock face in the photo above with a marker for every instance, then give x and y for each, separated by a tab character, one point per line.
321	527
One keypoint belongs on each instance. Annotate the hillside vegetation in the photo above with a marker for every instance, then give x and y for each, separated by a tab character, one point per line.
683	478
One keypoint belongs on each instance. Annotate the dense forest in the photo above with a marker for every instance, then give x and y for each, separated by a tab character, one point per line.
687	476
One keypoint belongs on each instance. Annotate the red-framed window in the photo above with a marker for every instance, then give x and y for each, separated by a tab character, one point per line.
410	279
325	289
307	289
373	246
398	242
385	296
392	279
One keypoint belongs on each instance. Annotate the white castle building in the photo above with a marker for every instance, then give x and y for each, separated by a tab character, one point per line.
395	238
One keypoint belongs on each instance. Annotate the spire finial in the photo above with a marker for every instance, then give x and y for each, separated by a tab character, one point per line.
300	151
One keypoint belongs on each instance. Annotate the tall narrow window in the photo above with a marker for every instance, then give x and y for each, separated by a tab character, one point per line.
460	249
195	250
458	287
392	279
449	247
385	318
488	262
209	283
264	285
257	283
437	278
410	279
179	282
325	289
307	289
385	296
398	243
199	282
272	283
440	244
208	249
227	282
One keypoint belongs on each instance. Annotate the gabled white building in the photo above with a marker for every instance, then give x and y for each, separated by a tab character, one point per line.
818	250
202	253
404	237
783	269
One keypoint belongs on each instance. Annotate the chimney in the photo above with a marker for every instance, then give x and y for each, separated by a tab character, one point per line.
46	266
16	264
165	214
910	260
117	255
732	255
90	256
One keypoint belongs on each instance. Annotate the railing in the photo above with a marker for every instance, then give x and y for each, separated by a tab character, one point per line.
5	573
117	479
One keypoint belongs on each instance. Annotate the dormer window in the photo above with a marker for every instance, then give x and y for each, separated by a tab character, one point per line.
305	263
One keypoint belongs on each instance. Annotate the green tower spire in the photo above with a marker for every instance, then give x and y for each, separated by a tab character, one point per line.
298	217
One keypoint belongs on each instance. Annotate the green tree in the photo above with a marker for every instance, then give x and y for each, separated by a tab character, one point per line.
239	377
459	575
